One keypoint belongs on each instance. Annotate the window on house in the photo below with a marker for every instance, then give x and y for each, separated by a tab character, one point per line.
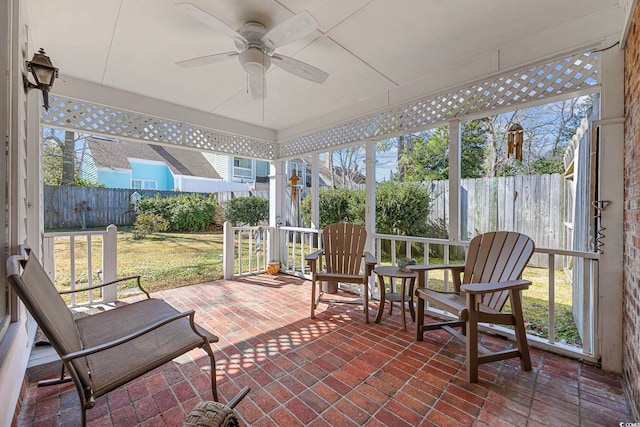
242	168
144	184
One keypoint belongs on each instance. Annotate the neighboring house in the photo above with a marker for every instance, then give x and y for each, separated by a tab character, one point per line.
238	169
325	177
125	164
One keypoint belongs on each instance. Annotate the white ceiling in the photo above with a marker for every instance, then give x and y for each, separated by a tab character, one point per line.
378	52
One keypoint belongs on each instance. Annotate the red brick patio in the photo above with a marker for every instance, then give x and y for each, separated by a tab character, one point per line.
336	371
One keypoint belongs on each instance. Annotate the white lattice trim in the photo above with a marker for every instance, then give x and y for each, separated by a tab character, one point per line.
564	75
561	76
96	119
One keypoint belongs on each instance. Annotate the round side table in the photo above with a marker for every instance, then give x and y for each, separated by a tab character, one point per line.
394	272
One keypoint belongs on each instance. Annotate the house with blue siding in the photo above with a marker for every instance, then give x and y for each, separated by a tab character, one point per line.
125	164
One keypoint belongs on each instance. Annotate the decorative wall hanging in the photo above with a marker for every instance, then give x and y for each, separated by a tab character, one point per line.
294	186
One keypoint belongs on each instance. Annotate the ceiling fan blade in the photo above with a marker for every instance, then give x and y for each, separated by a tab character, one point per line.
211	21
294	28
299	68
206	60
257	85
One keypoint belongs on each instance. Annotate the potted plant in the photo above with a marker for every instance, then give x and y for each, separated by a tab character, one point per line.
273	267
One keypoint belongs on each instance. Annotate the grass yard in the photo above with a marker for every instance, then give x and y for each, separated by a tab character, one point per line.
170	260
535	303
164	260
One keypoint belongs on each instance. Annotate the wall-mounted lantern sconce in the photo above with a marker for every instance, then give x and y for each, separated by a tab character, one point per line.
44	74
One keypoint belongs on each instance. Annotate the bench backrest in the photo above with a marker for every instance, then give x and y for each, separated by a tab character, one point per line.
47	307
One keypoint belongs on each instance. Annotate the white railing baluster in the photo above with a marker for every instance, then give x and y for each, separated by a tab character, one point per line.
552	299
446	259
251	252
587	308
72	266
89	269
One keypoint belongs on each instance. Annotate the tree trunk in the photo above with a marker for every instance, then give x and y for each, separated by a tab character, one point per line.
491	160
68	159
401	165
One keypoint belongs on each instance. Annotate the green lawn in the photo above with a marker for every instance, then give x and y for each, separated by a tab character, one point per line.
164	260
169	260
535	303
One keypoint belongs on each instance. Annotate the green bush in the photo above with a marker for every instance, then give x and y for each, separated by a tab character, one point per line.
336	205
187	212
148	223
247	210
401	208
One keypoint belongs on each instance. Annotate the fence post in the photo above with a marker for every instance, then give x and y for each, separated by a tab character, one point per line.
228	250
110	262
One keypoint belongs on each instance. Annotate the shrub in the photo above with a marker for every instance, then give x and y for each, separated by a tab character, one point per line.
403	208
187	212
336	205
247	210
148	223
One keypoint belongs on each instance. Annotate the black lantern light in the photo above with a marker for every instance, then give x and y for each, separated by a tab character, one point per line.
44	74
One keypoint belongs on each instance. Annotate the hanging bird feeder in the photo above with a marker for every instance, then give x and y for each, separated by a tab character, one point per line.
515	137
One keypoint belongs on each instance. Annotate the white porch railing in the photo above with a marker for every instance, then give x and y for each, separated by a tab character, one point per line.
403	246
108	268
295	244
291	244
246	250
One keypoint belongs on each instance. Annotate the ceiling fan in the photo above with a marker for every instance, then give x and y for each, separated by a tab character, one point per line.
256	47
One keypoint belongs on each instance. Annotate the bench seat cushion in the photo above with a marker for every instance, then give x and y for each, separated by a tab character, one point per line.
116	366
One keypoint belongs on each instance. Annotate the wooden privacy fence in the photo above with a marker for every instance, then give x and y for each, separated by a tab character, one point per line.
105	205
530	204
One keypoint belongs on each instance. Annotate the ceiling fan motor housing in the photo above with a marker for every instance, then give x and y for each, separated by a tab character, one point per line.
254	58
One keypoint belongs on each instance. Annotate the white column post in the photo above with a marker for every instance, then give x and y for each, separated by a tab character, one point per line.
35	198
611	188
370	194
228	250
315	191
110	262
276	205
455	172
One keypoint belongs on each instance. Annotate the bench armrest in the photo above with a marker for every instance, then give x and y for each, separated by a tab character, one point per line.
102	285
129	337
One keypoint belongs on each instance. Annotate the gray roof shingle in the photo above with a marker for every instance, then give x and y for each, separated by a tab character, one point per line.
116	155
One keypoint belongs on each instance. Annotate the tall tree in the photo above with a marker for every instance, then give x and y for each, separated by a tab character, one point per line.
59	157
350	165
68	159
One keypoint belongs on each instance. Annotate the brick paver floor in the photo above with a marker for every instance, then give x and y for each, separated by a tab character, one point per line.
335	370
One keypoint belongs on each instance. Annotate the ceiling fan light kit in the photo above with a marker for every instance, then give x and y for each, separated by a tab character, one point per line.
256	47
254	61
